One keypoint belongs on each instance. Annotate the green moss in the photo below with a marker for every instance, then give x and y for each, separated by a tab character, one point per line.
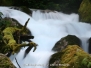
5	62
8	42
8	38
6	2
85	11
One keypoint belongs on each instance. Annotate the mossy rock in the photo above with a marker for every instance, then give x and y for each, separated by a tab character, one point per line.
85	11
71	57
10	35
67	40
5	62
26	10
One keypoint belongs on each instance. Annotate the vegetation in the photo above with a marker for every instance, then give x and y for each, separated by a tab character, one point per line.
8	32
67	6
85	11
6	2
70	57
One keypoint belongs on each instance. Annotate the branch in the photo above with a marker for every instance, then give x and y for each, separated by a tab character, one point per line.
17	63
24	27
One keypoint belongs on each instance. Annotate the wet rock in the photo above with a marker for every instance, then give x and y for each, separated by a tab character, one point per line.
67	40
26	10
71	57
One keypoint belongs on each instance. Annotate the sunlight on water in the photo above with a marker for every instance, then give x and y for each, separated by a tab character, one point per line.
47	28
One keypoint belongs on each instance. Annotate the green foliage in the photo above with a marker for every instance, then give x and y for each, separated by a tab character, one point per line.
67	6
6	2
86	62
3	24
89	65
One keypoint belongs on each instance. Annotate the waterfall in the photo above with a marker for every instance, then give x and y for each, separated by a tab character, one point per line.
47	28
85	43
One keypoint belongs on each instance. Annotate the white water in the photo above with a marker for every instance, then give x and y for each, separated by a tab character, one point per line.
47	28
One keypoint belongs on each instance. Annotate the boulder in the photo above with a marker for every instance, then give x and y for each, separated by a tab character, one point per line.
85	11
71	57
67	40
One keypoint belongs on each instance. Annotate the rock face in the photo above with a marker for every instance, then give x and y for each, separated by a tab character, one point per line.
5	62
89	48
85	11
68	40
71	57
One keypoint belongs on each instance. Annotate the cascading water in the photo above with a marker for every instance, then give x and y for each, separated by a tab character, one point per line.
85	42
47	28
